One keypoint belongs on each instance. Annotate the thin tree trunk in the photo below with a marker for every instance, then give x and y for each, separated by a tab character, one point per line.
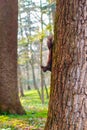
41	44
41	73
46	89
34	81
21	91
9	100
27	73
47	95
68	99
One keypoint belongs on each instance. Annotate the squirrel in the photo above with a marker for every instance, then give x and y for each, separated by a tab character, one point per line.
48	67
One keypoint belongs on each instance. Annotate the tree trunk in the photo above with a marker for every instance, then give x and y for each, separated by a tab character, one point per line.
34	79
20	84
45	87
9	100
41	76
27	74
68	98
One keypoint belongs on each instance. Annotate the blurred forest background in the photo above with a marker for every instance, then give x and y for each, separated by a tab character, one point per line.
35	23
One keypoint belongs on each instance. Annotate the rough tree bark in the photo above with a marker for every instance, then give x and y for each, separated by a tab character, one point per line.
68	98
9	100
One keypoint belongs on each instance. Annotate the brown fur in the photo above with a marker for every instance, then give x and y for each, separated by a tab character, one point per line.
49	61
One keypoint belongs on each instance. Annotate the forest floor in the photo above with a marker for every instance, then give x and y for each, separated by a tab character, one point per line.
35	116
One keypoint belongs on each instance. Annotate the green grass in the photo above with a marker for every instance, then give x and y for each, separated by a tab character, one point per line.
35	117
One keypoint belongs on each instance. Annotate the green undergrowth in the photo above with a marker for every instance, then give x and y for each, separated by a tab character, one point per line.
35	116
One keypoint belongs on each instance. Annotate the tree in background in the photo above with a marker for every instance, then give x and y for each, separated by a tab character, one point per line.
9	100
68	98
33	30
